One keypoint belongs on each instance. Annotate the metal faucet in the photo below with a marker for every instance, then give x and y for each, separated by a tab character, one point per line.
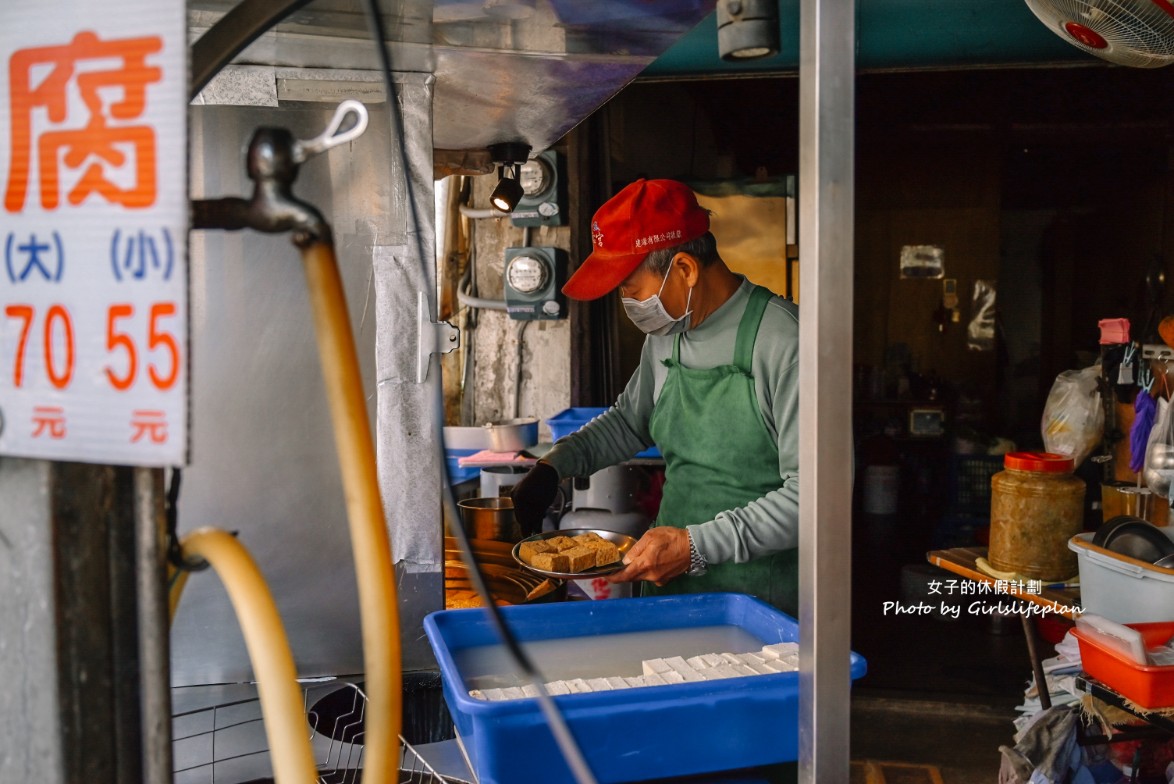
274	156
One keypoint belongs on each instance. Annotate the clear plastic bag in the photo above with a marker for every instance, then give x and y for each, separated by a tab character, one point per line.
980	332
1074	420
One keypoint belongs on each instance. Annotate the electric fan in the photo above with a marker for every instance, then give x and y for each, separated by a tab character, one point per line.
1139	33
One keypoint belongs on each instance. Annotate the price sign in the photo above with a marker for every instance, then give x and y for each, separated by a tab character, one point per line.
93	231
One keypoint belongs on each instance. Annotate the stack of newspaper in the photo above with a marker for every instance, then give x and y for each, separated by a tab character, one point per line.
1060	673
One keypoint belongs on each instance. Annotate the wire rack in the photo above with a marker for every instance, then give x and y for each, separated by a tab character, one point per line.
226	742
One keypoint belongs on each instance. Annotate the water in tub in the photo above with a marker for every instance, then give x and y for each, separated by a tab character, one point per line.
598	656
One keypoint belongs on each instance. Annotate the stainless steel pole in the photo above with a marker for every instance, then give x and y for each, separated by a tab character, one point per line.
154	633
826	120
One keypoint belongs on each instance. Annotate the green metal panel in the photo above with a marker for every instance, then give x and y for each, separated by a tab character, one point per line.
895	34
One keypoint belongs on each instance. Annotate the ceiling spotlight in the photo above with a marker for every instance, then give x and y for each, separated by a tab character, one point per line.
508	192
747	29
509	158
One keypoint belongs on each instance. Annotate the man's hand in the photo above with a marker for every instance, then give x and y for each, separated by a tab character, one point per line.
533	496
660	555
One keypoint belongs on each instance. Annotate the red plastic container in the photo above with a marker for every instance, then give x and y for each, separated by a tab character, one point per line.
1149	687
1052	628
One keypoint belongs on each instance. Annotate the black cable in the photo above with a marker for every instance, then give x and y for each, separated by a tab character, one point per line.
171	515
562	733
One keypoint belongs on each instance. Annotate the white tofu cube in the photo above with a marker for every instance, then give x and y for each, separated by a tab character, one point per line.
513	693
731	658
719	672
756	663
713	659
529	690
476	694
672	676
617	682
494	695
578	686
780	649
636	681
653	679
655	666
680	666
698	662
599	684
557	688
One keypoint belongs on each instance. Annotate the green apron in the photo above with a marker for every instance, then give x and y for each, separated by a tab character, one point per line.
719	455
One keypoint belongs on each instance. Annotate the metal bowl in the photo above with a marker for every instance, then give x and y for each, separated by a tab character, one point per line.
512	435
621	541
1166	563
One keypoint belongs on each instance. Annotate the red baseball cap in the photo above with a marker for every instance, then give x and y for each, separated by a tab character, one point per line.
645	216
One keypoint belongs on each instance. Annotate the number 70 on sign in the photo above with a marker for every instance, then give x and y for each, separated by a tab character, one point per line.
134	351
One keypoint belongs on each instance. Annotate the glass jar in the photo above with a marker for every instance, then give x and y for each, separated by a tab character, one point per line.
1037	505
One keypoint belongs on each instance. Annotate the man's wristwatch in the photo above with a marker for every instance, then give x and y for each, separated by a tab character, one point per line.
697	563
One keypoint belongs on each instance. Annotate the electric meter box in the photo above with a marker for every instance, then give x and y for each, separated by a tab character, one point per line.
544	191
533	282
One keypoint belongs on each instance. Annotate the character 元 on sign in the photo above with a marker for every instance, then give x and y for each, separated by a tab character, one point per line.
114	155
149	424
49	420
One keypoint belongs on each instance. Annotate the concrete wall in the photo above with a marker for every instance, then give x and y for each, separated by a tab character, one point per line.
546	353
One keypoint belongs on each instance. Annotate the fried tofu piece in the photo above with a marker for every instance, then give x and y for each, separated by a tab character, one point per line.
581	558
590	536
527	550
560	543
551	562
605	552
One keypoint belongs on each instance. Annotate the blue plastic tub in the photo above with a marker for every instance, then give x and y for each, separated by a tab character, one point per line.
635	734
456	474
569	420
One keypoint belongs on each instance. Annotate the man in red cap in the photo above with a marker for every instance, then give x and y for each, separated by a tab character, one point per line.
716	390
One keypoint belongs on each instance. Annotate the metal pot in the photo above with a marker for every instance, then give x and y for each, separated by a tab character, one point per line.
490	518
1158	472
512	435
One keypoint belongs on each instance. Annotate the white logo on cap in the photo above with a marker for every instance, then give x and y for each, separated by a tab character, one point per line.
659	239
596	234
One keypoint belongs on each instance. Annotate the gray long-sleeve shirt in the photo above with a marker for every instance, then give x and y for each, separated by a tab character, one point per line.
767	524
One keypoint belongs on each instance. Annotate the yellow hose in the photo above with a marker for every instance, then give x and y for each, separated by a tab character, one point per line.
378	605
281	699
176	580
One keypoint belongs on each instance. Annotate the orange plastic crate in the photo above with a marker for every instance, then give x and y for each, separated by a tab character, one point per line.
1149	687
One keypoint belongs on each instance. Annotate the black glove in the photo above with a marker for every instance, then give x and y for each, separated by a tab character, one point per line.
533	496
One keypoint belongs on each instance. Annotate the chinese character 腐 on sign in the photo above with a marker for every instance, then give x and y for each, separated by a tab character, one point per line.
113	155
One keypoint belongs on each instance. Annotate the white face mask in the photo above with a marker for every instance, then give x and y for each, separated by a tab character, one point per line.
650	316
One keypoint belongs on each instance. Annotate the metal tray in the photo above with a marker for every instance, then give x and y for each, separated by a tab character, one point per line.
622	541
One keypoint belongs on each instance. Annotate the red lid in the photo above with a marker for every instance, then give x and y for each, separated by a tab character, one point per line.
1042	462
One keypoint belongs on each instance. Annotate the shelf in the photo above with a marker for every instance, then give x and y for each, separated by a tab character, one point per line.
1103	693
